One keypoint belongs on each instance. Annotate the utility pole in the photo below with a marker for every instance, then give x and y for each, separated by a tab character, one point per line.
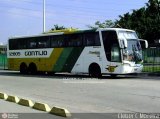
158	11
44	15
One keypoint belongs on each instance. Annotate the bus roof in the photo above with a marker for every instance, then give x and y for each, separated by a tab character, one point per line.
116	29
56	32
71	31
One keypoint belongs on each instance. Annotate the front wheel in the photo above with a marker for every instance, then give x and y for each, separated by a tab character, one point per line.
32	68
95	71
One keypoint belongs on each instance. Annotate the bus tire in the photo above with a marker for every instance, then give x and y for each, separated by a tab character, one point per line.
23	68
32	68
95	70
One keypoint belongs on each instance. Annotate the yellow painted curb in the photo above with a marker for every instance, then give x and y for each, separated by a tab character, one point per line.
3	96
13	99
60	112
25	102
42	107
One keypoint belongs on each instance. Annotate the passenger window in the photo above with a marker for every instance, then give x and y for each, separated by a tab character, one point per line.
91	39
22	43
58	41
43	42
74	40
54	41
32	43
13	44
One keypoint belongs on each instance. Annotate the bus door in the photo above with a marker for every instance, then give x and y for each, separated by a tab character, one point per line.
112	51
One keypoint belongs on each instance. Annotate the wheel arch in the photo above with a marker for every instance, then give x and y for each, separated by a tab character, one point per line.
93	67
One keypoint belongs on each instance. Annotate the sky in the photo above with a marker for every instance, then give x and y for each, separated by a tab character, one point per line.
25	17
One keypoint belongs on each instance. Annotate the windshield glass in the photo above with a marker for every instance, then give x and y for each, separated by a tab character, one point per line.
133	52
127	34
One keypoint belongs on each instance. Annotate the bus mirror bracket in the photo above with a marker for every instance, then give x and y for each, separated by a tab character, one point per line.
144	43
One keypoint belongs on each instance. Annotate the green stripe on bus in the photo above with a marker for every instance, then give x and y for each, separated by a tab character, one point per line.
62	59
72	59
55	56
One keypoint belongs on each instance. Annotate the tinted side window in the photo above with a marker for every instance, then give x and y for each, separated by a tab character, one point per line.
54	41
58	41
12	44
31	43
15	44
74	40
43	42
22	43
91	39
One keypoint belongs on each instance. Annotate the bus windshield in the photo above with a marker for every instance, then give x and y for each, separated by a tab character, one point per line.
133	52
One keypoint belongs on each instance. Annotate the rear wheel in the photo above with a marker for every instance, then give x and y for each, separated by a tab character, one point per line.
95	71
23	68
32	68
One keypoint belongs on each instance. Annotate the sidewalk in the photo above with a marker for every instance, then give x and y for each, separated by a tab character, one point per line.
149	74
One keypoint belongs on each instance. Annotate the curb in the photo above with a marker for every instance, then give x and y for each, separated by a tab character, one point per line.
3	96
41	106
12	98
60	112
25	102
37	105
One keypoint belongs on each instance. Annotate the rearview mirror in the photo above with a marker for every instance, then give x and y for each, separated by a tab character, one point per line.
144	43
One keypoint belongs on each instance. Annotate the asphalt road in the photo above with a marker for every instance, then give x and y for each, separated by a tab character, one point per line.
84	95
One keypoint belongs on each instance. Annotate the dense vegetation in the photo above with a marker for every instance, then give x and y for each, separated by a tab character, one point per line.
146	21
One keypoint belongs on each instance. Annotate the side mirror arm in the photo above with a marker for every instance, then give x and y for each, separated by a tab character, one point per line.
144	43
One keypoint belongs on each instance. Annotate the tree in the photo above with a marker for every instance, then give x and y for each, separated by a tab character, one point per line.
57	27
105	24
146	21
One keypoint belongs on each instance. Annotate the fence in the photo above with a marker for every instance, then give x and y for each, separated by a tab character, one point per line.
151	58
3	61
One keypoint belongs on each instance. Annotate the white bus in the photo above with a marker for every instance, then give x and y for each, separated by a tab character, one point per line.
97	52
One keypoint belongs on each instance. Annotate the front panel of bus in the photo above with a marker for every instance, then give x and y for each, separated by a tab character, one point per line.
122	59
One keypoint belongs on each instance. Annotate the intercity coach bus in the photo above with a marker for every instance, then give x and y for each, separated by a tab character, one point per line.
95	52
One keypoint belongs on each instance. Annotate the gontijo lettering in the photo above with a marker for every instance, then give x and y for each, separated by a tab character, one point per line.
35	53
